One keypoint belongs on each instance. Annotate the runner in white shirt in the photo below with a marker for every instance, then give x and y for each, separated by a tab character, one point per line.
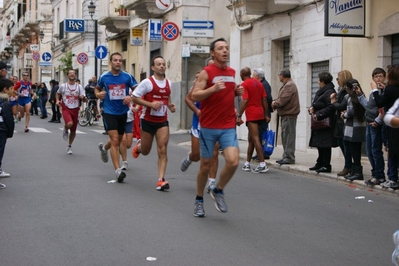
154	95
68	97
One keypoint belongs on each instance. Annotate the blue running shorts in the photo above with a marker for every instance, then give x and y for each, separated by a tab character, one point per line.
209	137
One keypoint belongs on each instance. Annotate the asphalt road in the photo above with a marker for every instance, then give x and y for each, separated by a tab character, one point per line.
60	209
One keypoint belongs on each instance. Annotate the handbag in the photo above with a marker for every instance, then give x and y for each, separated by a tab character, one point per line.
268	142
320	124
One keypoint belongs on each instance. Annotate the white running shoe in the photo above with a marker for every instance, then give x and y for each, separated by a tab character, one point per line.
4	174
104	152
69	150
65	134
124	166
211	184
120	175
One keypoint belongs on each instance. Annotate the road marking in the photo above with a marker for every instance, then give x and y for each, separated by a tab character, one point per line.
39	130
98	131
77	131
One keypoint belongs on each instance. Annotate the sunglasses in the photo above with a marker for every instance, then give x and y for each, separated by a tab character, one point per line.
25	75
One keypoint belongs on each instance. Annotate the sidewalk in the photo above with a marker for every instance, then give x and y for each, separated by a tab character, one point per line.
304	160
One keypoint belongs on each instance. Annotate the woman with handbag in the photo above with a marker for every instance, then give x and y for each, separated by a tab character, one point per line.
322	123
355	127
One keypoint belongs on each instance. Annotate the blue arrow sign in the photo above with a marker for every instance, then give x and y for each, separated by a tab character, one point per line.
101	52
46	56
197	24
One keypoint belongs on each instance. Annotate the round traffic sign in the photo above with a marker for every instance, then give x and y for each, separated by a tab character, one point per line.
170	31
162	4
46	56
82	58
101	52
36	56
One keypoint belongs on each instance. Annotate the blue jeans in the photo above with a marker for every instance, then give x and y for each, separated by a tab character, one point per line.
374	151
392	171
346	151
43	109
3	141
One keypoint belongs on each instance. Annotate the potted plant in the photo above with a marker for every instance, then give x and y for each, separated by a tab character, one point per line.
122	10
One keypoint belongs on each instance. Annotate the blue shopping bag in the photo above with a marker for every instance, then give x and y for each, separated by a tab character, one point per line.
268	142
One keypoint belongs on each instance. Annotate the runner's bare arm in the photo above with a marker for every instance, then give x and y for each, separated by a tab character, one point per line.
100	94
154	105
200	92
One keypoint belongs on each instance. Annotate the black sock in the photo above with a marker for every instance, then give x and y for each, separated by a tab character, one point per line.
217	190
199	198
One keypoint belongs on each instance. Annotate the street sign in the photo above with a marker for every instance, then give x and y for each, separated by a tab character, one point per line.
170	31
46	56
198	28
185	50
197	49
74	25
82	58
162	4
136	37
34	47
36	56
45	64
101	52
155	30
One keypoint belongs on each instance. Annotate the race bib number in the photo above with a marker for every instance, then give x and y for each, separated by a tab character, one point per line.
71	100
161	111
25	93
117	92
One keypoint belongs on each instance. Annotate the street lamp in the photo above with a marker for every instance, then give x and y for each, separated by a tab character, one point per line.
92	10
41	37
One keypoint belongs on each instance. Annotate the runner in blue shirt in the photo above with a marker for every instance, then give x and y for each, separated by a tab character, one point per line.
113	87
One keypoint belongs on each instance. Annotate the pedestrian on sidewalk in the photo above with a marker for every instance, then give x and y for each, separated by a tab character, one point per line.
323	139
56	114
259	74
355	127
254	104
6	120
339	102
43	95
288	108
387	100
374	138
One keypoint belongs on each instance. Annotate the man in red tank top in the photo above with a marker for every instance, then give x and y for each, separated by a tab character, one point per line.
216	90
153	94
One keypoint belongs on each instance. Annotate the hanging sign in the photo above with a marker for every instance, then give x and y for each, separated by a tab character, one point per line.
345	18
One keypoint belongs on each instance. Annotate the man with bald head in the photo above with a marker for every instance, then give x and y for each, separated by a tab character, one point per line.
254	103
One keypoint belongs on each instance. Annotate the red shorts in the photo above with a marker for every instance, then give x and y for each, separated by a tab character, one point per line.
71	115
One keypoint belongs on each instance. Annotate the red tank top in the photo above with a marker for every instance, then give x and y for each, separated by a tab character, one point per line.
157	94
217	111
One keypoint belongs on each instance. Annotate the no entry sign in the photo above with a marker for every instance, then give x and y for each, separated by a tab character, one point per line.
170	31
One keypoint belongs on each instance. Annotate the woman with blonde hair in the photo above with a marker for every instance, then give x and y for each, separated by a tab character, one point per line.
339	102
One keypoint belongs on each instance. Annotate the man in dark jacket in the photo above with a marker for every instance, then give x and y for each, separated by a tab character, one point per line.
6	119
55	118
259	74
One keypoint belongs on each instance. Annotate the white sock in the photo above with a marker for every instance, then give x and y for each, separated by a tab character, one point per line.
262	164
246	163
